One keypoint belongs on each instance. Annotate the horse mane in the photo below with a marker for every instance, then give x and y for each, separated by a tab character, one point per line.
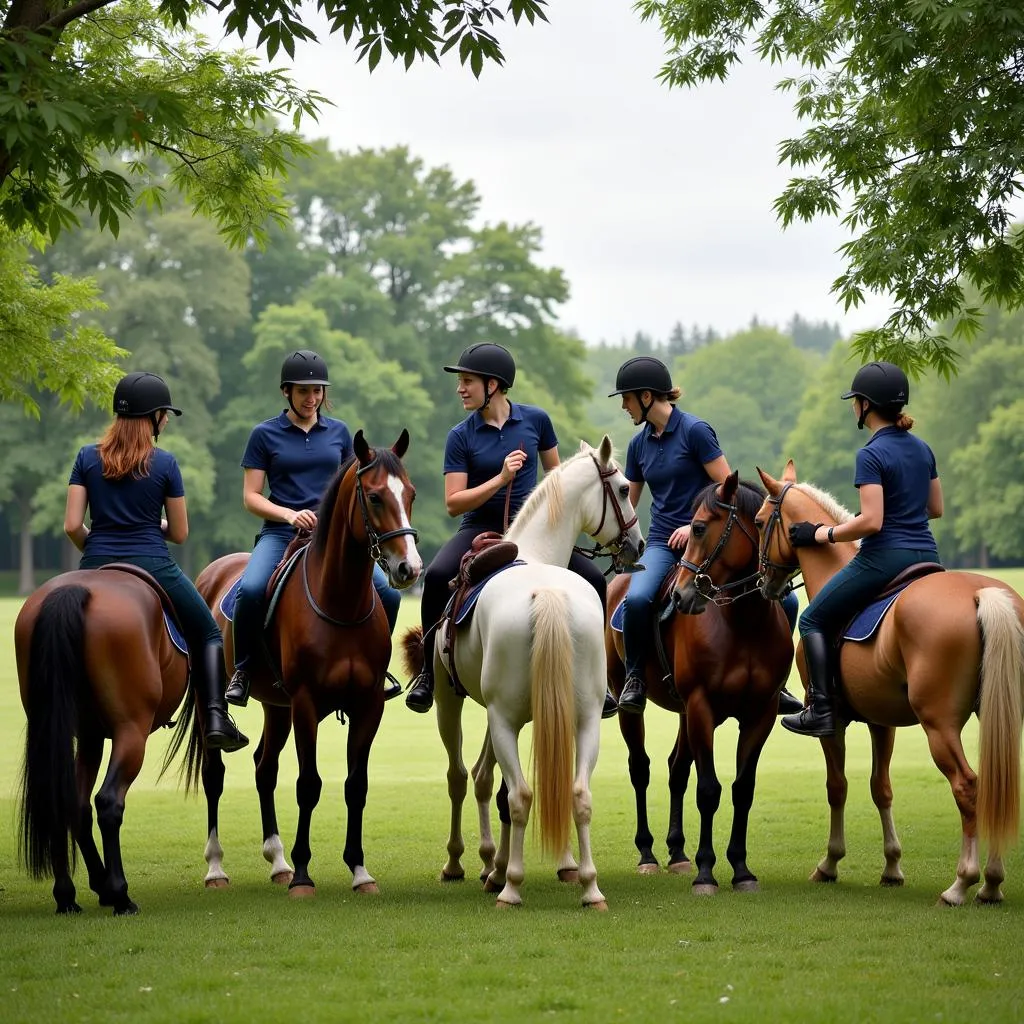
829	503
748	498
550	491
387	459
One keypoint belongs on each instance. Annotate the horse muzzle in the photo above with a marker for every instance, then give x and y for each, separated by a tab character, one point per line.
687	600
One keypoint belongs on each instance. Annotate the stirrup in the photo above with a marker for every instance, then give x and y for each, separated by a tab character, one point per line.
392	687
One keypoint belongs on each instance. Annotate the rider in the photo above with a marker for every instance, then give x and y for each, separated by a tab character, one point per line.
899	492
678	455
127	483
496	447
297	453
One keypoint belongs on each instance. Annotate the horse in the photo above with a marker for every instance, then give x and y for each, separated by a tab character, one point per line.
328	648
95	662
951	645
729	654
533	651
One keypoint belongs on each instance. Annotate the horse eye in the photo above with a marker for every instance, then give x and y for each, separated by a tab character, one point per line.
698	530
624	491
759	525
375	499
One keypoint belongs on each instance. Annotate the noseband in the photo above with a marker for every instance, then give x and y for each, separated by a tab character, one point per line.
703	583
374	537
764	562
612	548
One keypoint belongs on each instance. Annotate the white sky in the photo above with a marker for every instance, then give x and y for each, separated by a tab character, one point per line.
657	204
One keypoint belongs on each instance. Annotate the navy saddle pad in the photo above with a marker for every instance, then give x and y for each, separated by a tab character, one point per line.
175	634
867	622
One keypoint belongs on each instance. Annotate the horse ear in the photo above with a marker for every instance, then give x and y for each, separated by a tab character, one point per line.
606	452
789	473
584	447
771	485
363	452
401	446
729	485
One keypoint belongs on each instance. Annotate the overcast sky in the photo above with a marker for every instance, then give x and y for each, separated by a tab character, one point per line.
657	204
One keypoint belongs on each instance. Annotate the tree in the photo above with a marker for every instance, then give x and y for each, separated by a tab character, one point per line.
916	135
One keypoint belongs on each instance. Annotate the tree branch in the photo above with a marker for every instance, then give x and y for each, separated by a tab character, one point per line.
70	14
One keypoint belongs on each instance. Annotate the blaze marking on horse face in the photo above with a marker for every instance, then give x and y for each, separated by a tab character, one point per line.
397	487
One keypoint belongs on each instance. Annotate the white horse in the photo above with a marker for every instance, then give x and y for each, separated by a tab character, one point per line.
534	651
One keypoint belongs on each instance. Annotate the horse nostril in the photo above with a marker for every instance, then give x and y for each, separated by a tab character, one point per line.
640	547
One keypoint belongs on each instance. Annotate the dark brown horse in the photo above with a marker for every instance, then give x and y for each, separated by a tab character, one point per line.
95	662
730	655
329	645
951	645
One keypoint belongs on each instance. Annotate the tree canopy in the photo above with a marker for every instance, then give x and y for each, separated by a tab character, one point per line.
915	136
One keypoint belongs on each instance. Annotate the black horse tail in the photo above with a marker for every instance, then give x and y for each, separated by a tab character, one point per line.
187	734
57	681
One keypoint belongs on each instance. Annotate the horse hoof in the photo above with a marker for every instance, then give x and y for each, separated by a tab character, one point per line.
71	908
647	869
367	889
447	877
599	905
490	886
283	878
302	892
217	883
747	885
569	875
705	889
128	910
681	867
817	875
889	882
943	902
505	905
986	901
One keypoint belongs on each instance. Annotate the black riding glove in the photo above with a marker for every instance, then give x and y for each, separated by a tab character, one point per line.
801	535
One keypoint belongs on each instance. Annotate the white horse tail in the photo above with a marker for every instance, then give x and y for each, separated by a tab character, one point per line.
554	715
1002	707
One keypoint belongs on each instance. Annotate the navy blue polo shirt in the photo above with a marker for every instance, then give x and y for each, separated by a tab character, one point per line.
298	465
672	466
478	449
904	466
124	515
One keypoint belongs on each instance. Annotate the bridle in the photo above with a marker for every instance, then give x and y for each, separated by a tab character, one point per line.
764	562
613	547
702	582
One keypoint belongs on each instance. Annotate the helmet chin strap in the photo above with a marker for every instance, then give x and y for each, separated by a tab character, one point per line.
298	415
488	394
154	418
865	408
644	409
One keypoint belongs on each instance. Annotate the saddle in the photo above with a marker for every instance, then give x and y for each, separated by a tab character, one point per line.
171	620
488	554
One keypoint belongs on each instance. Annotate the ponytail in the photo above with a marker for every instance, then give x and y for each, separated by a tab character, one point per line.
903	422
674	395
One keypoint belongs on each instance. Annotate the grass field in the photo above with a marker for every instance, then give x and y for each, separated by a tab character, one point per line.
423	951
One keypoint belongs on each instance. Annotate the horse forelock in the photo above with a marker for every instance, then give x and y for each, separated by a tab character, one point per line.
829	503
749	498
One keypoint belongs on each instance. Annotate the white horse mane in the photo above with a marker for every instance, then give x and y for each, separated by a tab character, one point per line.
549	491
829	504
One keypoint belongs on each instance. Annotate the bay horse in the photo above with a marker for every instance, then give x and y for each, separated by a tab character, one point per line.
729	653
951	645
533	651
330	643
95	662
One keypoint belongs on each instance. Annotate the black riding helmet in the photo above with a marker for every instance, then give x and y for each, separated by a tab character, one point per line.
643	373
143	394
882	385
490	361
304	367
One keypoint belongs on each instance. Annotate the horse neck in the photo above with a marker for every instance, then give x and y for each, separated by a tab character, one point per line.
820	562
343	571
540	540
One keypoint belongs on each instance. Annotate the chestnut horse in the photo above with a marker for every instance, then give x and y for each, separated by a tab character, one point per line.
329	641
95	662
951	645
730	654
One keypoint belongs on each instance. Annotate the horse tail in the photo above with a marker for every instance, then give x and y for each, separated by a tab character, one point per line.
553	700
412	650
1002	707
57	681
187	734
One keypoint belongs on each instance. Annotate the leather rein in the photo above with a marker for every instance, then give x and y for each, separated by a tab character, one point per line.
764	562
702	582
612	548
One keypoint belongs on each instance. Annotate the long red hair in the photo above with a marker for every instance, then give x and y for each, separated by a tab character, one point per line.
126	448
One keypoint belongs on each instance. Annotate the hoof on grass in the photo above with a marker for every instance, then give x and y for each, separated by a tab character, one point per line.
817	875
705	889
130	909
302	892
217	883
490	886
367	889
982	900
283	878
599	905
890	882
569	875
453	877
71	908
505	905
680	867
648	869
747	885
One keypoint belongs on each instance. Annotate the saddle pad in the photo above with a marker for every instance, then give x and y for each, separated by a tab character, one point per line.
175	634
665	612
866	622
470	599
230	598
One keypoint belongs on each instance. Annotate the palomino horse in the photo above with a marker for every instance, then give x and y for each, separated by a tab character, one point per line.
330	642
952	644
533	651
95	662
730	655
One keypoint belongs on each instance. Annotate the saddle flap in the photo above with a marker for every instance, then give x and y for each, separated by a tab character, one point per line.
908	575
865	623
171	620
489	560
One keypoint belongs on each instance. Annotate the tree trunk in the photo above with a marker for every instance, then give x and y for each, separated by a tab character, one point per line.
982	555
69	556
26	565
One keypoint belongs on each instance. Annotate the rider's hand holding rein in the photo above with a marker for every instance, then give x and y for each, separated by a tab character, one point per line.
514	462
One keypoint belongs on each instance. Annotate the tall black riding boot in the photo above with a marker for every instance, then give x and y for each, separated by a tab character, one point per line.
420	697
816	719
210	683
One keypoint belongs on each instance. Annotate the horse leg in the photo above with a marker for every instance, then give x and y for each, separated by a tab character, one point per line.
991	890
834	749
277	724
87	770
213	788
752	738
948	754
361	731
882	741
127	752
632	729
520	799
495	881
588	739
679	763
701	731
483	788
449	727
308	787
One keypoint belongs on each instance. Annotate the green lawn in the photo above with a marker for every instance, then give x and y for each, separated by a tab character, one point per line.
431	952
